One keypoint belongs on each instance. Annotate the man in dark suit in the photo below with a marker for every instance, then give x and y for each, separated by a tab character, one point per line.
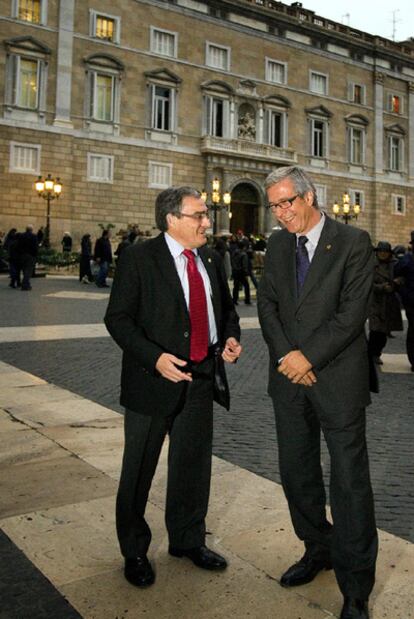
313	304
169	311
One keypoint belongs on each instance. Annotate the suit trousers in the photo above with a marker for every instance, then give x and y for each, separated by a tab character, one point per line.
190	430
351	543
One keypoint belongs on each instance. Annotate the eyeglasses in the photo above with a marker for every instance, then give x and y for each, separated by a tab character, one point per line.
198	216
283	204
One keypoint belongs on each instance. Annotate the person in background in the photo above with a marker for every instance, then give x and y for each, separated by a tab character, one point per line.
40	236
404	272
384	312
125	242
11	248
85	273
103	257
66	243
240	271
26	253
222	248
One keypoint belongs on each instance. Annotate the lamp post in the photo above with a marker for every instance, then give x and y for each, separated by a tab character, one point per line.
346	211
217	202
49	189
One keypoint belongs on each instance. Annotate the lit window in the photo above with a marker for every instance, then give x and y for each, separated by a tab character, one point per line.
275	71
27	83
318	83
395	106
102	97
218	56
105	27
160	175
29	10
357	196
24	158
100	168
164	42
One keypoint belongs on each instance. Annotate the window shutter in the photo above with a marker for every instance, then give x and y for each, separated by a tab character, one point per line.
173	107
266	127
42	72
226	118
389	102
152	105
363	95
207	115
11	79
350	91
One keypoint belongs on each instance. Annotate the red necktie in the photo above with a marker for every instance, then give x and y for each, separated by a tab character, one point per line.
198	310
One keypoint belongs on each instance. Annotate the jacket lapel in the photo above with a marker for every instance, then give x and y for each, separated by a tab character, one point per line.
288	256
321	259
165	262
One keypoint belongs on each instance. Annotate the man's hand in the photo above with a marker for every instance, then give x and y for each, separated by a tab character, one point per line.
297	368
232	350
167	367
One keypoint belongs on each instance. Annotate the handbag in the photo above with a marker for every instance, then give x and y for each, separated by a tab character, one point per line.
221	391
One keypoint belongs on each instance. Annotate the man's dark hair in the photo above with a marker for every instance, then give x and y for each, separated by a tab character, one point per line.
302	182
170	201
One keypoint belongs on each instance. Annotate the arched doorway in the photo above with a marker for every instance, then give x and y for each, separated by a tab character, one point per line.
244	209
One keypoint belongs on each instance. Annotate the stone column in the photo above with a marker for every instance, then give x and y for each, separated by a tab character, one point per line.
64	64
411	131
379	122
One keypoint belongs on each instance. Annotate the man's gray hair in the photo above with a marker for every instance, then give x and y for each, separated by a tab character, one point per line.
300	179
170	201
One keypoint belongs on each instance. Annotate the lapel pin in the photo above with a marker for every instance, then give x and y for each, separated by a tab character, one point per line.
328	247
209	259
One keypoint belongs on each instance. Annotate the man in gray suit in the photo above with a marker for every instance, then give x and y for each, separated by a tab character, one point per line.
313	303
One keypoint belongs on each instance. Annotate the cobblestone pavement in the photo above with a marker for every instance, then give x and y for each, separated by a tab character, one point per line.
245	435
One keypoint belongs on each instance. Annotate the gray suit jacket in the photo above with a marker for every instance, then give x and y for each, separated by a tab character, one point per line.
326	321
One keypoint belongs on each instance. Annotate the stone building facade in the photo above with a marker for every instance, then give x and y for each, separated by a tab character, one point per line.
121	98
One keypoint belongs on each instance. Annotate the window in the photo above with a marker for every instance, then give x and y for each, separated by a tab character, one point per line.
321	195
356	93
102	97
160	175
33	11
356	145
318	137
100	168
398	205
105	27
357	196
217	116
24	158
395	103
26	76
217	56
276	71
276	128
162	108
163	42
103	89
396	145
318	83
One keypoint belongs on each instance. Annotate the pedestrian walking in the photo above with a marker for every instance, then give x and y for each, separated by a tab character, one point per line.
66	243
85	273
171	312
384	312
26	253
240	271
11	248
222	248
103	257
313	304
125	242
404	270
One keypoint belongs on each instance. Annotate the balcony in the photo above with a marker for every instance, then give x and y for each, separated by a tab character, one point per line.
247	149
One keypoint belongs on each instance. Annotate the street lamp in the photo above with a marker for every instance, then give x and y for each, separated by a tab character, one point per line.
346	207
49	189
217	202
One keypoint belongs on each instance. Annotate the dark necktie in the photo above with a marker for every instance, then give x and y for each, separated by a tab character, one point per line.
302	262
198	310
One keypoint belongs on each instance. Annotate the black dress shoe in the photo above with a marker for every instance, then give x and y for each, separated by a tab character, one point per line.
201	557
304	571
354	608
138	572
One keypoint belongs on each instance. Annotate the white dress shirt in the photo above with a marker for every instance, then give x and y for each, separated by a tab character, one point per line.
313	237
180	261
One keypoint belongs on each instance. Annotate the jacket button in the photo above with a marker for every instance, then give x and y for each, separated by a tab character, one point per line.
186	334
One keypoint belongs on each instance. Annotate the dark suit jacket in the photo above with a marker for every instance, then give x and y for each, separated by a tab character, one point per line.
326	322
147	315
